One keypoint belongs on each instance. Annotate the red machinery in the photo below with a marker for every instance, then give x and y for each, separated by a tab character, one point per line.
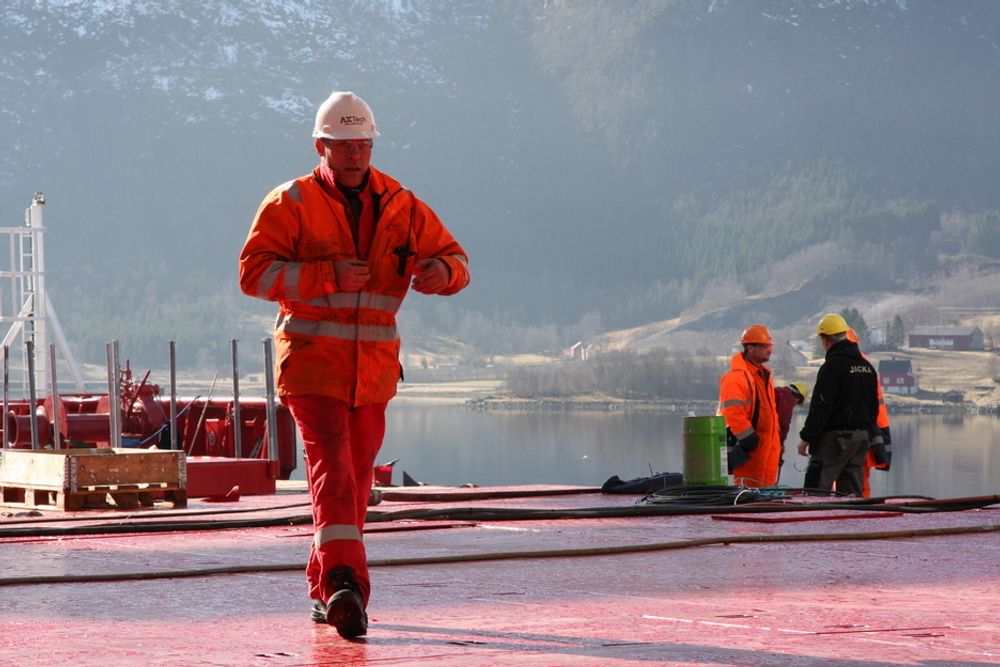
205	427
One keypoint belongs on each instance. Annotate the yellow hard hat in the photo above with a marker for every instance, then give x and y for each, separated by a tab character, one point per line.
800	388
756	333
831	324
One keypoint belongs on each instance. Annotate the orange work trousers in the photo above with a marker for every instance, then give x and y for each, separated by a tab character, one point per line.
341	444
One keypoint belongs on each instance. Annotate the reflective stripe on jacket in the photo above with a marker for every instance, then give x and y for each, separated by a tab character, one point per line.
328	342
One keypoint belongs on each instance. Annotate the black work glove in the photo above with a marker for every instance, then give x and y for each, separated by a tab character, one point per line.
882	451
737	456
750	442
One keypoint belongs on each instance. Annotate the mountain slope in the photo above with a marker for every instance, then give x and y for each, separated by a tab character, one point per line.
605	165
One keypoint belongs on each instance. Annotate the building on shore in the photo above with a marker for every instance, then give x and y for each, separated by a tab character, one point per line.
897	376
947	338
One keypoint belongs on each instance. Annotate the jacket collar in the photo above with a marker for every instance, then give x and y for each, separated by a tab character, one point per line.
844	348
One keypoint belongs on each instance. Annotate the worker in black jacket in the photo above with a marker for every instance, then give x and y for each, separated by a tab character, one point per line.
841	424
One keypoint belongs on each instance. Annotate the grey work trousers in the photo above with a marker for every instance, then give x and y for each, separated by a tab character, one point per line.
842	457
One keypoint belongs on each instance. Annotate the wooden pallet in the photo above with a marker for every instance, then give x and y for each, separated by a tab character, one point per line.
114	497
77	479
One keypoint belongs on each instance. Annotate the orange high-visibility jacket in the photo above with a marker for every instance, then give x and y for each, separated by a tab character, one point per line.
329	342
882	421
739	388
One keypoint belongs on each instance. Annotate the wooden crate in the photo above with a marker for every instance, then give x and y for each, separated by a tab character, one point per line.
74	479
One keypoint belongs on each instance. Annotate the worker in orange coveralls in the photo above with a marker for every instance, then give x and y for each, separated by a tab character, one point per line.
338	249
880	455
747	402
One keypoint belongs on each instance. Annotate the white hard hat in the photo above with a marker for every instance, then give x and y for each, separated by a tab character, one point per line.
344	115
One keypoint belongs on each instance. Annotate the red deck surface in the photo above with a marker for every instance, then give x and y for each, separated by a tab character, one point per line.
898	601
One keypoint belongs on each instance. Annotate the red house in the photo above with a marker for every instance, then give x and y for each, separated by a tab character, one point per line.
896	376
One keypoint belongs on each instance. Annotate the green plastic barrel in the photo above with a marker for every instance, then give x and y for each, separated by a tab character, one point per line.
705	462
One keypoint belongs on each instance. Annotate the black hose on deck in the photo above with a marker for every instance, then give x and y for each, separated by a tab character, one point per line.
134	527
485	514
146	514
508	555
504	514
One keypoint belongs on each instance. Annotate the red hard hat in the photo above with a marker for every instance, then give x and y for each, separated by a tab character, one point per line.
852	336
756	333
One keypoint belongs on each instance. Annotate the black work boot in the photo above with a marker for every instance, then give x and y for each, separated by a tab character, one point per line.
345	610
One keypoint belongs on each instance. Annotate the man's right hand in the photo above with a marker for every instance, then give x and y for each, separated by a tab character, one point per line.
351	274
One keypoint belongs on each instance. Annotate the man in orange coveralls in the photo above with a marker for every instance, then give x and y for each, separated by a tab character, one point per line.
338	249
747	402
880	454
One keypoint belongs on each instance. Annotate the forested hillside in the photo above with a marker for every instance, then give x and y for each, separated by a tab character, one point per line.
606	164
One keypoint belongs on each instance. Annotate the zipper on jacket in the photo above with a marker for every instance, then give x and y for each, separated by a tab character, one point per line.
376	218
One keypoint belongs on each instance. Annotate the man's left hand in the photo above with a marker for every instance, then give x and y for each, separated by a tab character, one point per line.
803	448
432	276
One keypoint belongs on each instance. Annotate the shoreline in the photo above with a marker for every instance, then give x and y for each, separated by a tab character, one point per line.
488	395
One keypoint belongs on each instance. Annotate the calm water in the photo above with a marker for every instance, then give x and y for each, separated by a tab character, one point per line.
934	455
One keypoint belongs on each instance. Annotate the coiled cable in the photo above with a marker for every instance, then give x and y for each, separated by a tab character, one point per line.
711	496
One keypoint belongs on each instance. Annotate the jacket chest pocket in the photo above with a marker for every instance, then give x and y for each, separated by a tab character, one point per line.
396	254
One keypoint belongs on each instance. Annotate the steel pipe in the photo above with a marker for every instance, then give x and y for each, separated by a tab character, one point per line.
172	363
54	416
272	417
237	419
29	354
6	394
